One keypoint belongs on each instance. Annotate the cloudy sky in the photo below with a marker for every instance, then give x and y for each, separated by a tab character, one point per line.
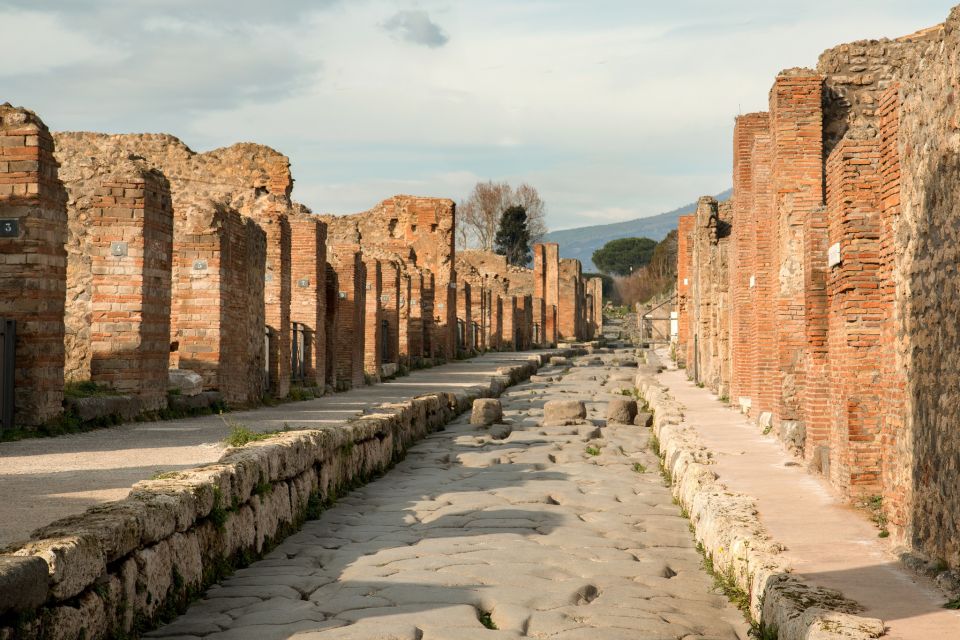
613	109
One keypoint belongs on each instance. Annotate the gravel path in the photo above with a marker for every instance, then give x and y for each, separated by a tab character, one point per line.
516	527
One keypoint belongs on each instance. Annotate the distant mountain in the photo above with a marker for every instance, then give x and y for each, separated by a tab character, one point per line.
580	243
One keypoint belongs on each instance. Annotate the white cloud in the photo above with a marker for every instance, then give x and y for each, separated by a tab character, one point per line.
612	109
416	27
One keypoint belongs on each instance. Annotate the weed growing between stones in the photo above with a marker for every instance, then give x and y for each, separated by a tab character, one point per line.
873	505
593	450
87	389
486	620
639	468
241	435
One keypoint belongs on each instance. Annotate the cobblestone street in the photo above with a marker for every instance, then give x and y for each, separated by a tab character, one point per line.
513	530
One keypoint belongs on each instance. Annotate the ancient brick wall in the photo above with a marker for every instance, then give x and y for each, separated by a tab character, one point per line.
33	262
546	267
742	268
685	226
708	305
595	287
796	115
131	221
346	264
842	280
217	322
854	324
390	299
464	317
570	301
253	180
308	297
373	317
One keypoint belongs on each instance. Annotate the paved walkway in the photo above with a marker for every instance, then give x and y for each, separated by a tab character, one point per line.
516	527
828	542
42	480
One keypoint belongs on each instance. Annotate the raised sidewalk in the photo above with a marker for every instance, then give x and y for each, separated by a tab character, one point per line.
828	544
45	479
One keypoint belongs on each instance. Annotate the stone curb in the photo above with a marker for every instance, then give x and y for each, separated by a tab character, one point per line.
732	536
119	567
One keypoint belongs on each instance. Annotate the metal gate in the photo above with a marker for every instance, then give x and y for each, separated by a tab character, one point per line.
652	322
8	347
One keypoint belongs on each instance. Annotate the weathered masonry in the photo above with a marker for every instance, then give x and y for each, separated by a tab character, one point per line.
133	262
822	298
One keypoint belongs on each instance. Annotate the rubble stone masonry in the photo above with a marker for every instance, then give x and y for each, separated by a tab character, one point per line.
841	277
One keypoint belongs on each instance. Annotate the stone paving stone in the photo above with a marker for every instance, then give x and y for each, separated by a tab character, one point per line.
531	533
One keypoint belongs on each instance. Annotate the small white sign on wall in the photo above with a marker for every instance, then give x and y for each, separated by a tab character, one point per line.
685	282
833	255
753	281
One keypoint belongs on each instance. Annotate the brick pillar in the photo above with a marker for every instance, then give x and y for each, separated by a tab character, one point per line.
404	329
496	321
597	289
508	320
348	350
796	115
539	320
526	322
766	381
33	262
569	305
483	316
131	242
465	316
896	442
308	299
415	323
373	328
855	317
551	290
390	309
277	292
427	301
685	226
217	320
742	278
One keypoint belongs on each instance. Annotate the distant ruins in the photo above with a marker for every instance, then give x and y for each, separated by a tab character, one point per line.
129	260
822	299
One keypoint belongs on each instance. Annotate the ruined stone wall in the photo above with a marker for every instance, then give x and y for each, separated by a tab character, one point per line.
33	262
709	307
927	290
843	215
253	180
421	230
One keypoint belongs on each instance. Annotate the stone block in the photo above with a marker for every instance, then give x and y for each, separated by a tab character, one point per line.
559	361
486	411
643	419
187	382
564	412
23	583
621	410
73	562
